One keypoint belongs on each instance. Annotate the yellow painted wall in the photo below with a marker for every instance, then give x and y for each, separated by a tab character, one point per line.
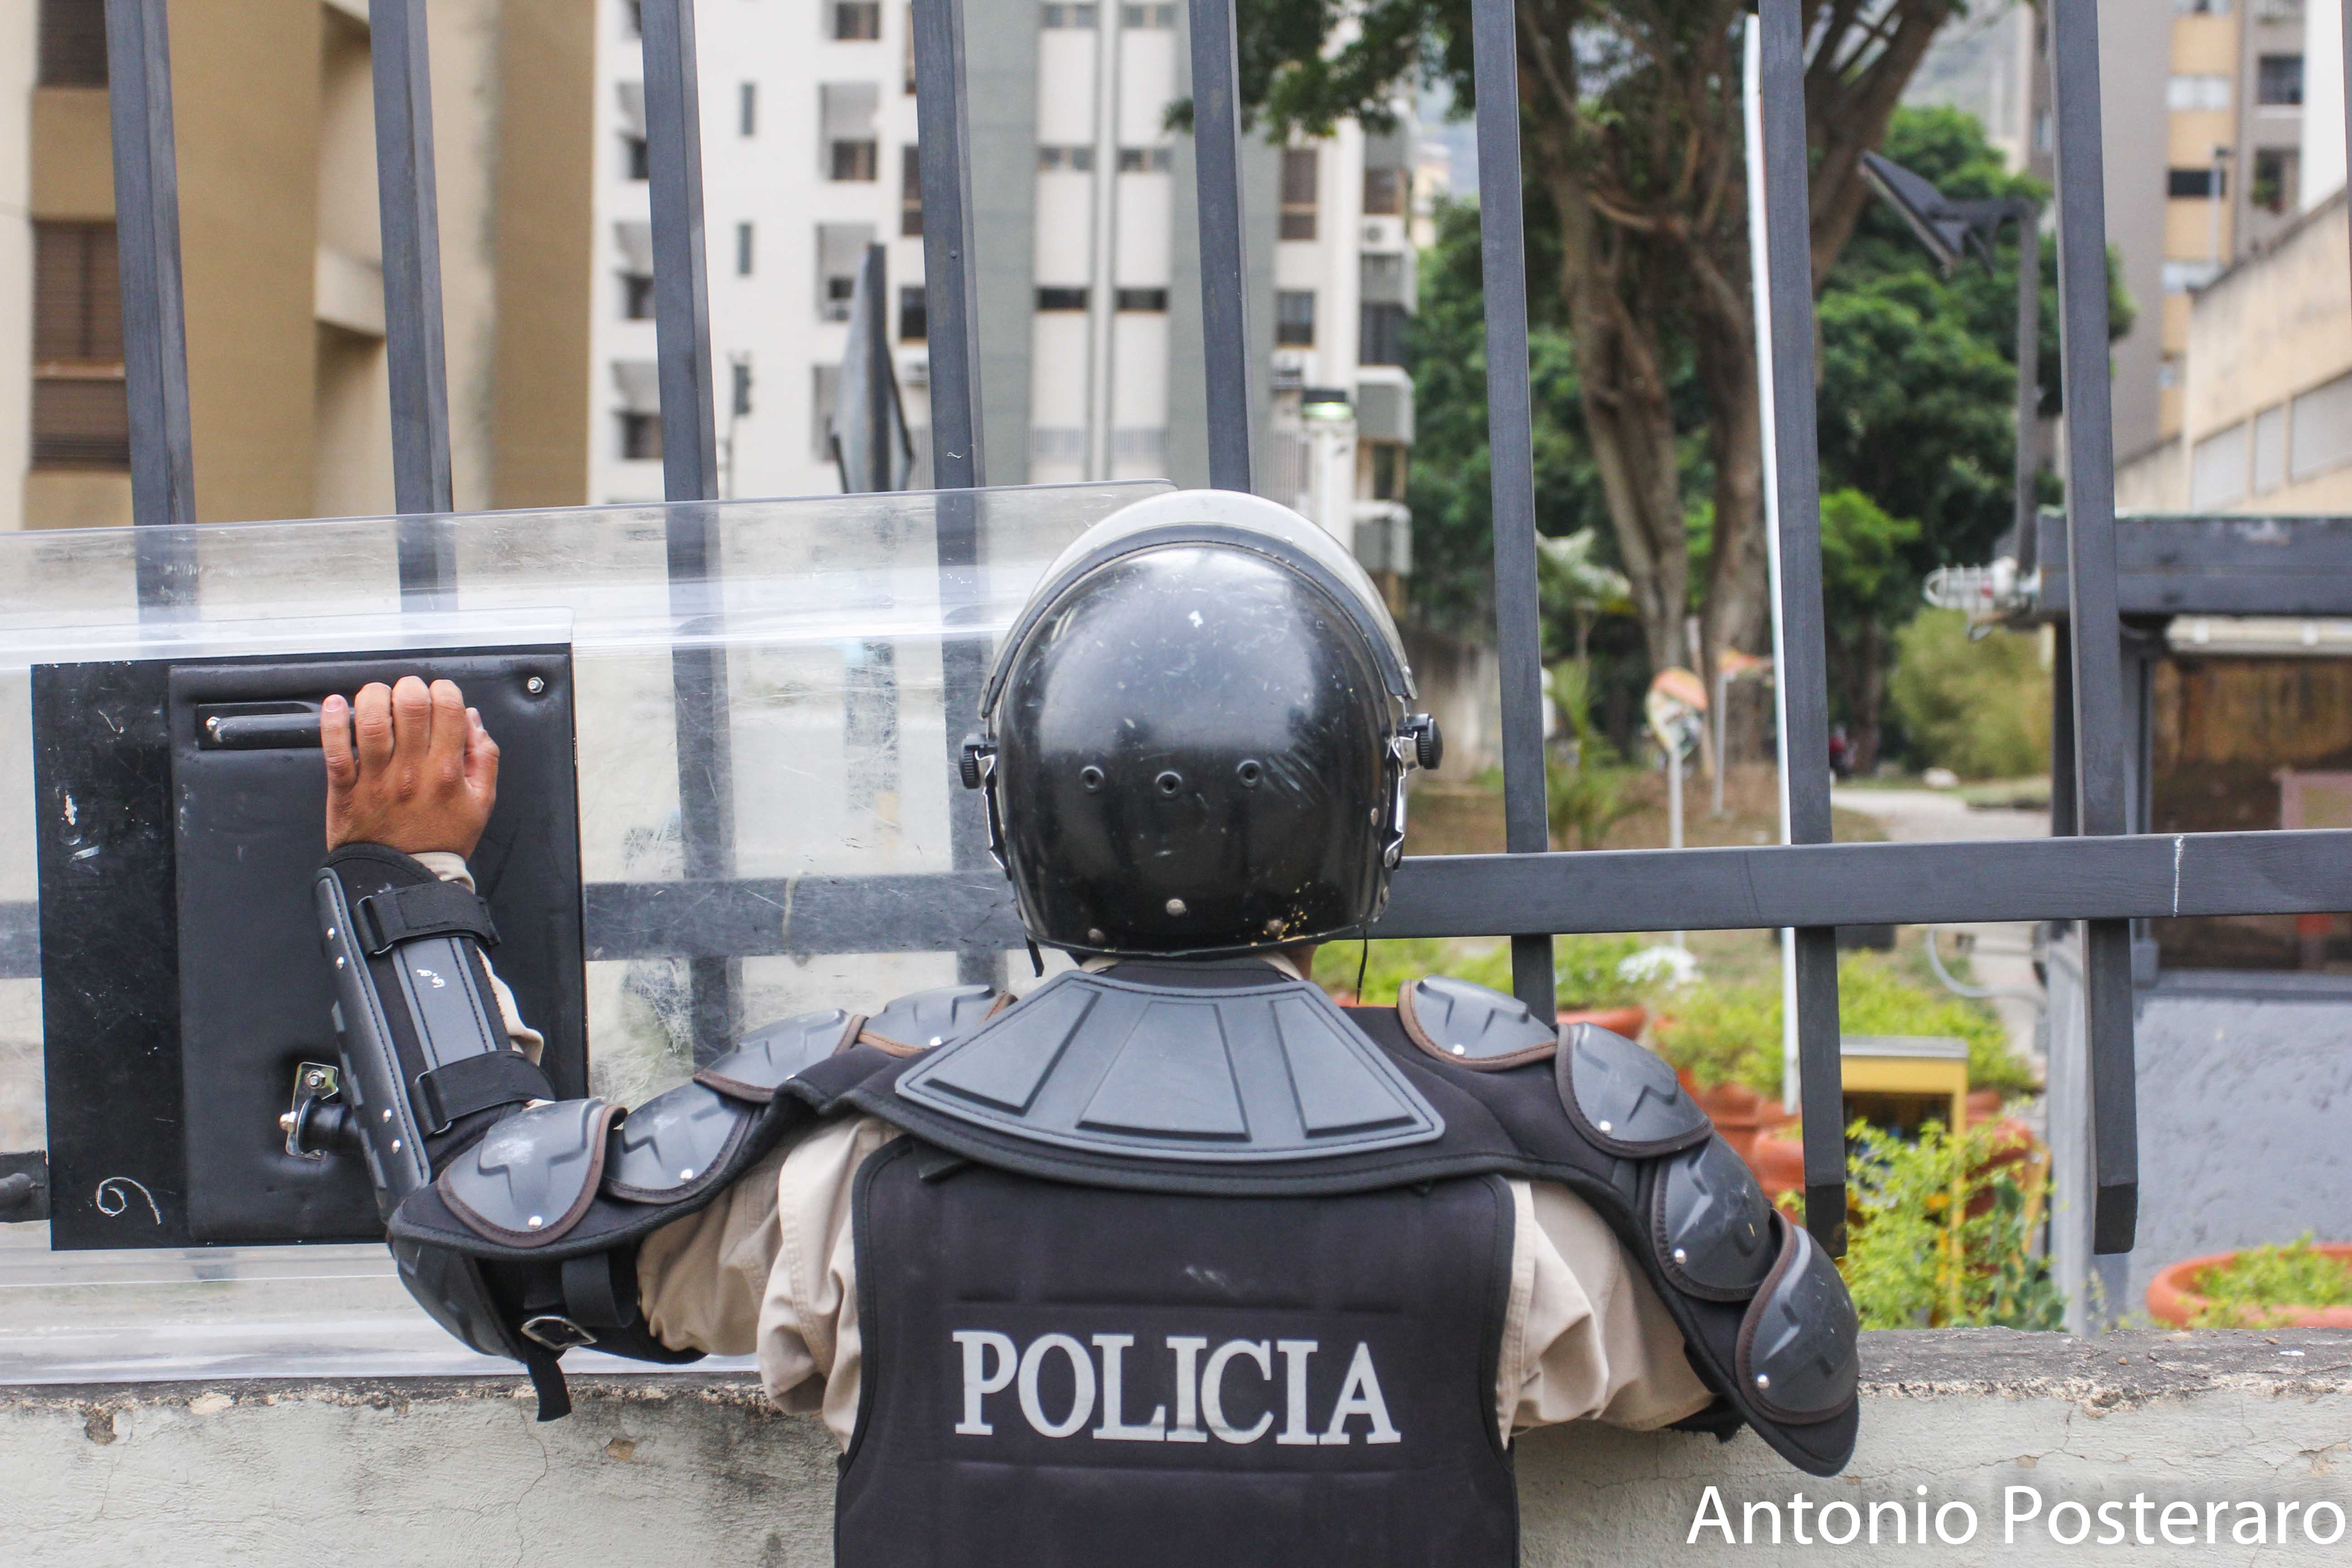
544	242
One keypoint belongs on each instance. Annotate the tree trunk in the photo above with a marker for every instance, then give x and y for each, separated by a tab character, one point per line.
1622	387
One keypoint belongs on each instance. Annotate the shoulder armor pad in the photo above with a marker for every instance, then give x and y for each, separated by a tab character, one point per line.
1468	1023
763	1060
1624	1098
1799	1345
922	1019
531	1177
1242	1074
675	1143
1712	1224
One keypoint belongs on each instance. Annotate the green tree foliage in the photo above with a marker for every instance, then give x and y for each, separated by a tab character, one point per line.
1980	709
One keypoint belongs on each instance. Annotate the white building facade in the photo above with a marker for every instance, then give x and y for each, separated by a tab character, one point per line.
1083	202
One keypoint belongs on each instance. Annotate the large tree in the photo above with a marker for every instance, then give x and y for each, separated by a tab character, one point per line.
1632	131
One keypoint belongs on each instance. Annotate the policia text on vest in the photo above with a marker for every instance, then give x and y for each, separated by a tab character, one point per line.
991	1363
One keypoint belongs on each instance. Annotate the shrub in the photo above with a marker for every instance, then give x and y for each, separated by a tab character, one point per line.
1905	1263
1587	967
1731	1034
2249	1291
1980	709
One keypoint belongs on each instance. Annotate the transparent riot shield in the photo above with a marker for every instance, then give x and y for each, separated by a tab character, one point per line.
727	795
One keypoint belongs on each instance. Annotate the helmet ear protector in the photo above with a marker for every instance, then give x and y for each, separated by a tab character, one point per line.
1241	522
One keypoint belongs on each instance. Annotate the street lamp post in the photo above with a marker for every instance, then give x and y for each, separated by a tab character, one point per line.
1950	228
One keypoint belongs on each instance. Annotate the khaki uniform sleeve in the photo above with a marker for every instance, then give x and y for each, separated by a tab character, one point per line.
770	1270
451	867
1584	1335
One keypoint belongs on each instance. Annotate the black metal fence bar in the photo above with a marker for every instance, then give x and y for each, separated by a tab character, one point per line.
951	324
2114	877
417	367
2100	738
414	360
689	472
154	318
951	286
1224	274
1803	674
1518	625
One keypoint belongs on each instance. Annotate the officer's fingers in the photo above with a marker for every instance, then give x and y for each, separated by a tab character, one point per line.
372	721
412	723
452	731
335	741
481	760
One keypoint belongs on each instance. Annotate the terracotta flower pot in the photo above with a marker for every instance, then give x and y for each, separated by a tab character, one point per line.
1778	1158
1626	1021
1740	1115
2172	1296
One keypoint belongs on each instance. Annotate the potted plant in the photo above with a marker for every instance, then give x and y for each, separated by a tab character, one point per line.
2301	1284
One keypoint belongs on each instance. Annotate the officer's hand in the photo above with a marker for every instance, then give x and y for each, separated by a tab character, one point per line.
425	773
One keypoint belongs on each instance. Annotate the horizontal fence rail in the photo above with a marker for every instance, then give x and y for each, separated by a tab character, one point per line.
2112	878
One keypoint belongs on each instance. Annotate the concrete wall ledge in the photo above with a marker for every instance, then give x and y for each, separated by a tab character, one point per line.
688	1468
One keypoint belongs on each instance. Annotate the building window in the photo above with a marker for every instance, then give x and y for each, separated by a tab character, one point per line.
911	193
1384	193
641	438
1068	17
840	252
1152	16
914	320
636	297
2278	81
1382	335
1142	300
1294	318
1079	160
1388	470
743	250
73	43
2181	277
848	147
1299	171
907	55
633	157
2184	92
747	109
633	19
2197	183
857	21
855	160
2200	7
2278	173
739	393
1143	159
81	416
1062	299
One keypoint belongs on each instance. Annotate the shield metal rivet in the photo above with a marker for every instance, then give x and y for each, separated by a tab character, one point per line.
1681	1255
534	1222
1604	1127
1458	1050
1762	1381
395	1145
1175	906
686	1174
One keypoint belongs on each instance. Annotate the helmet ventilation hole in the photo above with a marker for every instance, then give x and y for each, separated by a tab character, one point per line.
1091	777
1249	771
1169	782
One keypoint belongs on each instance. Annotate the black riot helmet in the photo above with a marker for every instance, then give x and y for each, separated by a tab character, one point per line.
1196	738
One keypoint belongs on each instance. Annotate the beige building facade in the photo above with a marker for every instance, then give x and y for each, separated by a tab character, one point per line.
2266	389
281	258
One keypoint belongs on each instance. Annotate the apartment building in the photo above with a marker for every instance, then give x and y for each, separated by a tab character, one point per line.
1085	247
2265	375
280	259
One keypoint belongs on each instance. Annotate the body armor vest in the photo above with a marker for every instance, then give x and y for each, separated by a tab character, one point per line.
1183	1263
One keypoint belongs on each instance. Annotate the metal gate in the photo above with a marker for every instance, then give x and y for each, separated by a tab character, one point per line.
2097	873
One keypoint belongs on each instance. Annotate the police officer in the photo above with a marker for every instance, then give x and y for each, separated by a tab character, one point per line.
1173	1260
